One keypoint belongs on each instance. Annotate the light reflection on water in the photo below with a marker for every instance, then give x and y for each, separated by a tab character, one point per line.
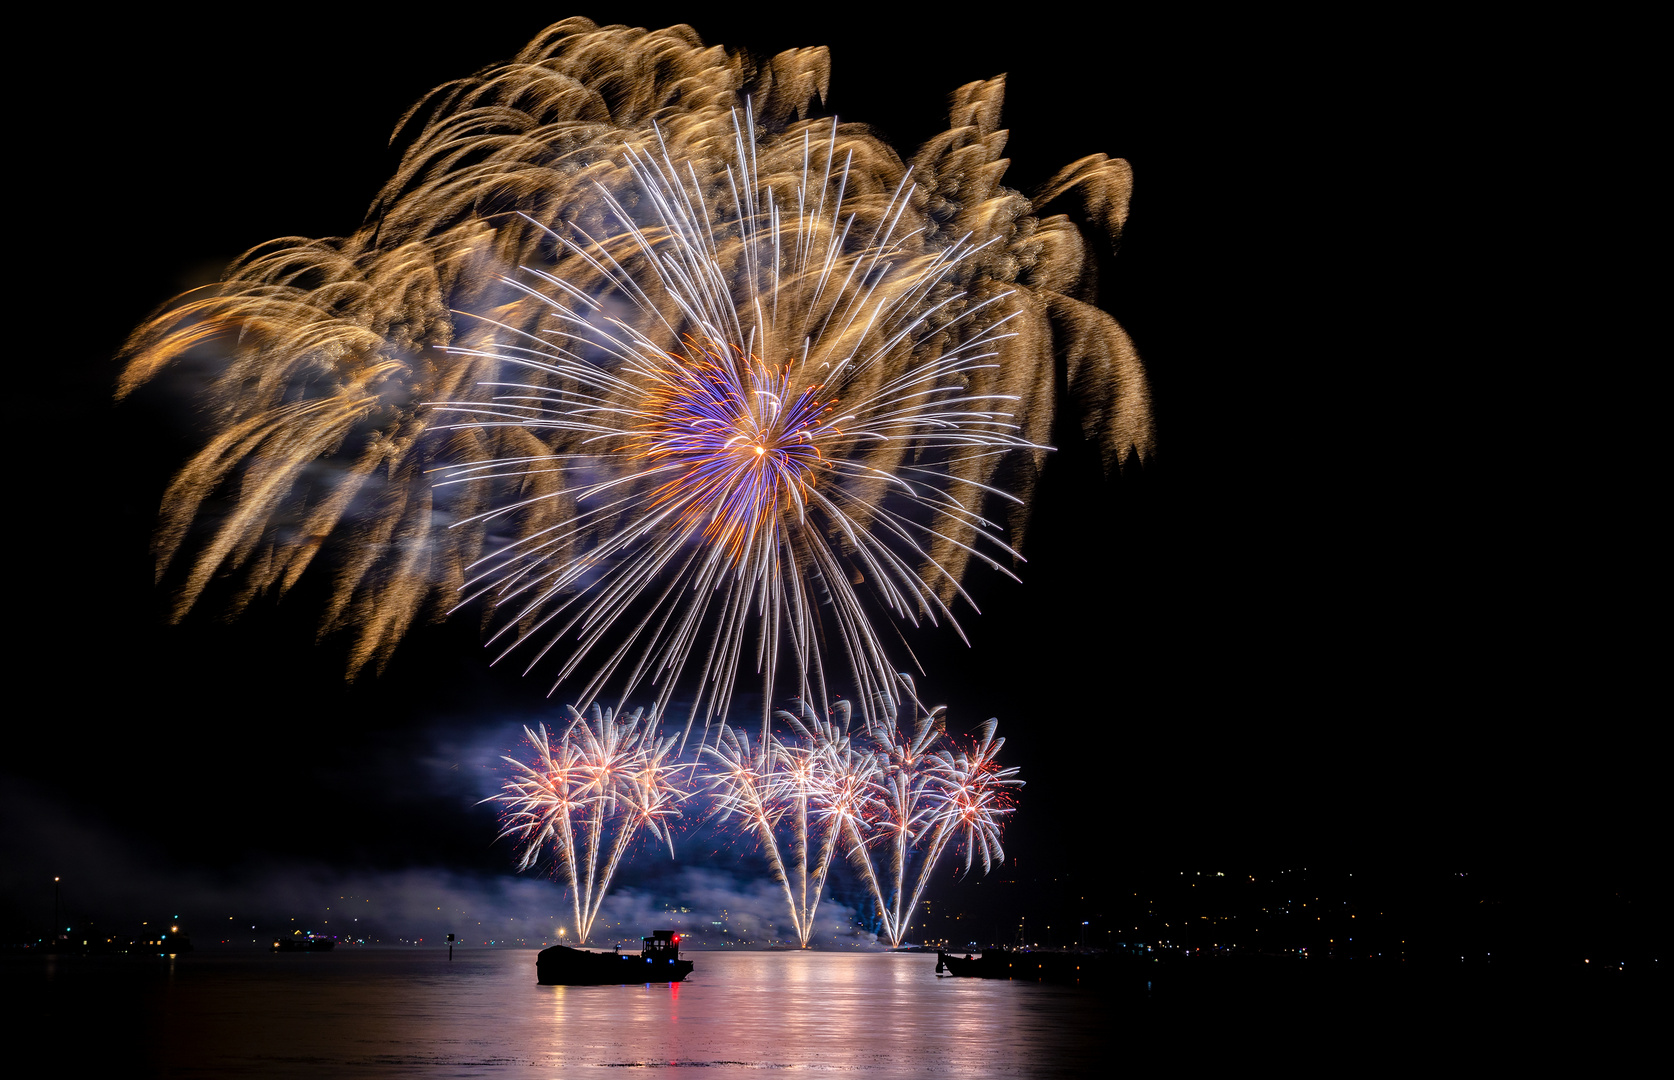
412	1013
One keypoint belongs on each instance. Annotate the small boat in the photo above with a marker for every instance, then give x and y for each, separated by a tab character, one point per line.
1040	965
657	961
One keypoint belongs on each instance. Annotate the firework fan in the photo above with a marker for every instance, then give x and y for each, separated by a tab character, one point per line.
767	370
903	792
588	794
894	806
911	800
795	794
749	789
958	796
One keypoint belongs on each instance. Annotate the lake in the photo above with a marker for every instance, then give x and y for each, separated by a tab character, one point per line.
391	1012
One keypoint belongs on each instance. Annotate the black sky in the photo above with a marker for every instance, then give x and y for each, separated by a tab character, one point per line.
1317	627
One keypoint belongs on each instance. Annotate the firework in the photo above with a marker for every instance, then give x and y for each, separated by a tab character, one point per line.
588	794
796	794
893	804
735	277
963	796
916	798
761	787
715	478
904	798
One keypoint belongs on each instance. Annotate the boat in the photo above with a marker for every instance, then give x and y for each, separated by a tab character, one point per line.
657	961
1041	965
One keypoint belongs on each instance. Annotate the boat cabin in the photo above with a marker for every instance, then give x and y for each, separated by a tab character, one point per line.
662	944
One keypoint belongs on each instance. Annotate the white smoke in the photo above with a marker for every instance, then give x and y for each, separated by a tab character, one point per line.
113	885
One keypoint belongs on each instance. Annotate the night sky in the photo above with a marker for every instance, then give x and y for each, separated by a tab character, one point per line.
1345	616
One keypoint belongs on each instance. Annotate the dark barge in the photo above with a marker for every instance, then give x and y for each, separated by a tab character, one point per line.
657	961
1034	964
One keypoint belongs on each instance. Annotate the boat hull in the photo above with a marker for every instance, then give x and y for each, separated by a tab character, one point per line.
564	966
1063	967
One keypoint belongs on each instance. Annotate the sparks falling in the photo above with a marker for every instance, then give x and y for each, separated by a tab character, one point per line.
588	793
892	805
770	369
735	498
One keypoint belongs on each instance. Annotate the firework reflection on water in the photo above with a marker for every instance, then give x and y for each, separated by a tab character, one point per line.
393	1012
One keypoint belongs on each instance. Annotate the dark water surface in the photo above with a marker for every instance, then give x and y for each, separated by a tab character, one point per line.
413	1013
391	1012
